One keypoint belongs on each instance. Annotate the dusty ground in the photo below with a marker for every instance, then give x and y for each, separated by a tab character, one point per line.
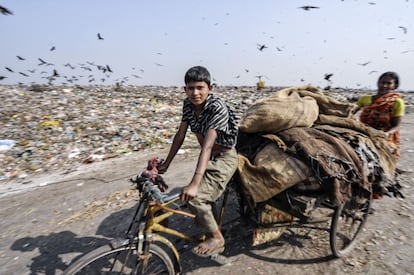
48	220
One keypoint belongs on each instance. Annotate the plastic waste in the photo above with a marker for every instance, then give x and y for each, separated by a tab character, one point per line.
6	144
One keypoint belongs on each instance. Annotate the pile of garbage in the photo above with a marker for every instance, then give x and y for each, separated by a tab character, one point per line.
45	128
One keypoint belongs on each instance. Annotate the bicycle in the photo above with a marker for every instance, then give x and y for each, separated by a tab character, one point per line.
146	251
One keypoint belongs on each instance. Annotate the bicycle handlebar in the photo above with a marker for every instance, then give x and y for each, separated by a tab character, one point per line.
172	197
150	190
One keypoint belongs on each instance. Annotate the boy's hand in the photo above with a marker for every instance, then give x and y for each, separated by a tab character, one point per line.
189	192
162	167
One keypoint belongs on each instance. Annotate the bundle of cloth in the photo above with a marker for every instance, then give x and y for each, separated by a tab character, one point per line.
151	173
300	138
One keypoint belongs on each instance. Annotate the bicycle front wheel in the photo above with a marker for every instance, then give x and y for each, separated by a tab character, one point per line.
122	260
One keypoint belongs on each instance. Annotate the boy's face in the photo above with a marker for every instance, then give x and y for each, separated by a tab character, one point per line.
197	92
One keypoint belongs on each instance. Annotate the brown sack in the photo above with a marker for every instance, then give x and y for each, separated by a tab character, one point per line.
271	172
283	110
327	104
375	139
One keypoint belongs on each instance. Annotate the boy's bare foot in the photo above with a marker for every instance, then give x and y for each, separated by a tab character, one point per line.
209	247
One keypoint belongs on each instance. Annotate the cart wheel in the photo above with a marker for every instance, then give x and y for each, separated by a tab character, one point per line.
347	221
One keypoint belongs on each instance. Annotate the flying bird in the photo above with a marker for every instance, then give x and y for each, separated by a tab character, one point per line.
100	37
407	51
23	74
42	62
306	8
55	73
53	48
261	47
5	11
364	64
404	29
86	68
20	58
10	70
141	70
69	65
109	69
328	76
2	77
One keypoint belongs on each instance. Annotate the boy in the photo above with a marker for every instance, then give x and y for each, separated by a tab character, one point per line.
216	126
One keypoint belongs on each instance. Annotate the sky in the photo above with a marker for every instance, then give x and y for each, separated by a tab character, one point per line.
154	42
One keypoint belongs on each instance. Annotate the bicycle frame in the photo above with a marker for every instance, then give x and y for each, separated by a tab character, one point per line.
145	243
154	222
150	224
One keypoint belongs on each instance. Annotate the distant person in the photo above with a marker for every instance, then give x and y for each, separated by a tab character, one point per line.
216	127
384	110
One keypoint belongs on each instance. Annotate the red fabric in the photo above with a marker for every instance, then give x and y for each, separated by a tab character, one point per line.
376	196
379	115
380	112
151	173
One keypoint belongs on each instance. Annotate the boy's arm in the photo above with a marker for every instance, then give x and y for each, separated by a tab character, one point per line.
191	190
175	146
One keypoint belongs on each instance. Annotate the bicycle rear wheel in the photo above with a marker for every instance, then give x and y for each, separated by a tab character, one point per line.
122	260
347	221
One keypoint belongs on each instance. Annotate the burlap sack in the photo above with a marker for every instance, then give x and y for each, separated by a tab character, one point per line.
375	139
283	110
271	172
327	105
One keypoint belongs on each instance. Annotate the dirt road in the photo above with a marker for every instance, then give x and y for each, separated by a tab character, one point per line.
49	220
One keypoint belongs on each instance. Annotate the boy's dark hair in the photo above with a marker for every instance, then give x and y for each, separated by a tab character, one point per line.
393	75
197	73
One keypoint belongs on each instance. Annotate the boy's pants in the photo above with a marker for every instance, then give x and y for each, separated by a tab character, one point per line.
218	173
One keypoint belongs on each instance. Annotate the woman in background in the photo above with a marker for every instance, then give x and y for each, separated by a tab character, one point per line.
384	110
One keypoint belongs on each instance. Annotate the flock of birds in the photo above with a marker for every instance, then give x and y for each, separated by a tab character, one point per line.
54	74
87	66
91	67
